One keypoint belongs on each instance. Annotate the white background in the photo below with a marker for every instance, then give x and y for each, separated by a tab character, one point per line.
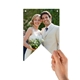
12	66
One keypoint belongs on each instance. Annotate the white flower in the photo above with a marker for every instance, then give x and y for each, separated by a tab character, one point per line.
35	41
42	40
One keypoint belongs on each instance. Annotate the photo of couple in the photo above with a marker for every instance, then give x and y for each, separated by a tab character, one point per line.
40	28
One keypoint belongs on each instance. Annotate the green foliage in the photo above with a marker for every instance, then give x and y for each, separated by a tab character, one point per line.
28	14
35	43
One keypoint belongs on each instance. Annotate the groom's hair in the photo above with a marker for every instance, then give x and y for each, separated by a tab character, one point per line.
45	12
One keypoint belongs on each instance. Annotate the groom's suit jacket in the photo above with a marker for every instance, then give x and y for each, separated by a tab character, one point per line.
51	38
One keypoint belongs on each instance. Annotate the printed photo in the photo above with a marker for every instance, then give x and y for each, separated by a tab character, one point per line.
40	27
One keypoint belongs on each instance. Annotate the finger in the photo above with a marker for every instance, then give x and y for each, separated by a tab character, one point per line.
52	56
53	68
59	58
56	57
61	54
53	62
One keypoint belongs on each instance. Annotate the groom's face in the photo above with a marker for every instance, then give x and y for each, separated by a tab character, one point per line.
46	19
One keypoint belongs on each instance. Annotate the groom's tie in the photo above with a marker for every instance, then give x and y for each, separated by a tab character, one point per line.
46	29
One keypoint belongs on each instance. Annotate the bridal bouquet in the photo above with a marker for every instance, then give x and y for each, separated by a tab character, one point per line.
35	43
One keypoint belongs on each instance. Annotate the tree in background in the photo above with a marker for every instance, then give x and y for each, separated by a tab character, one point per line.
28	14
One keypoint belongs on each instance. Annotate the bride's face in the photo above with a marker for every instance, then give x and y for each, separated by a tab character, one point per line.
37	21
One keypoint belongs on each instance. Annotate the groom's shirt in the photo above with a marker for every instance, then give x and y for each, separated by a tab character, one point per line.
46	28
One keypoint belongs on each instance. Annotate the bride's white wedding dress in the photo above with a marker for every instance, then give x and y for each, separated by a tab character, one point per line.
36	34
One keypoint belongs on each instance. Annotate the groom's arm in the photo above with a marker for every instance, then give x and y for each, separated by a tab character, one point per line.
57	37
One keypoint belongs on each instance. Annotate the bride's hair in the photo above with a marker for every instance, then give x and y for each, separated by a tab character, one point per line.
32	20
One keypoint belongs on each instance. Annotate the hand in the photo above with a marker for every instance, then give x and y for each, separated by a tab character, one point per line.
32	48
60	65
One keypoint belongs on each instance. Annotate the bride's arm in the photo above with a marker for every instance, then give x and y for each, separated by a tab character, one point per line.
26	37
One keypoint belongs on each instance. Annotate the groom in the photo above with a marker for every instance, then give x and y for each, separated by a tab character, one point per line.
50	32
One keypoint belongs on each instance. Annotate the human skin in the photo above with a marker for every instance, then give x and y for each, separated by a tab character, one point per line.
46	20
36	24
60	65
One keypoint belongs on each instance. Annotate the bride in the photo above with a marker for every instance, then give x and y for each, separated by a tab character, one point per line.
32	33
